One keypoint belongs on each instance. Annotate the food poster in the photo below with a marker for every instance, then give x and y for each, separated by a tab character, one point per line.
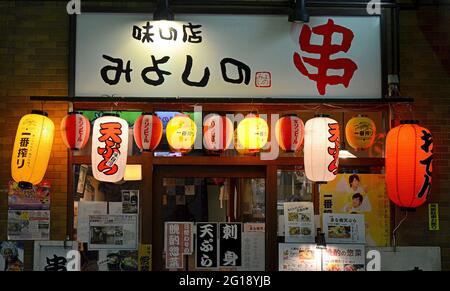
230	244
344	258
11	256
299	221
117	260
344	228
84	210
113	232
298	257
362	194
28	224
253	247
36	198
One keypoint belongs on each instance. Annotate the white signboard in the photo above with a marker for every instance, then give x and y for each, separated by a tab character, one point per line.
344	228
54	255
227	56
299	221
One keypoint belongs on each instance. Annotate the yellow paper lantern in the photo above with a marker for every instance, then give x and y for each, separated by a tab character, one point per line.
180	133
360	132
32	148
252	133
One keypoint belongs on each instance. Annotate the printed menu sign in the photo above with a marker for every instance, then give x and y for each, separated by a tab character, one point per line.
298	257
230	247
344	228
206	245
253	247
177	243
299	221
344	258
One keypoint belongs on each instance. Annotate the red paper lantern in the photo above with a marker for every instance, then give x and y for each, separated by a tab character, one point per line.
289	132
75	130
409	155
148	130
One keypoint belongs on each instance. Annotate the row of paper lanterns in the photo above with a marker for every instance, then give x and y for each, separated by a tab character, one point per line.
408	146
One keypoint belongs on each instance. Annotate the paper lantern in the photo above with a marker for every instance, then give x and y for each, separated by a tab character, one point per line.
289	132
109	148
32	148
409	156
148	129
75	130
252	133
321	151
360	132
180	133
217	132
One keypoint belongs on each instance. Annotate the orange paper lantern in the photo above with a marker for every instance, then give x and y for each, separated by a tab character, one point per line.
75	130
360	132
409	155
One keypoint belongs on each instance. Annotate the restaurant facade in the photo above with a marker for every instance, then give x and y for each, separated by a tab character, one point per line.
235	136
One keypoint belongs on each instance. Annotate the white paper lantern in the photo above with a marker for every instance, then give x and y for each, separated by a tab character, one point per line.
109	148
321	151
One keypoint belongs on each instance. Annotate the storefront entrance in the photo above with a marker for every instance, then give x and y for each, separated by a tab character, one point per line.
212	194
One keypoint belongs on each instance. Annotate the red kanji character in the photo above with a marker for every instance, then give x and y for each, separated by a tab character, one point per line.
334	138
110	131
324	63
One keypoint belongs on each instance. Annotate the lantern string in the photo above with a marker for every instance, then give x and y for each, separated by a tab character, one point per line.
396	228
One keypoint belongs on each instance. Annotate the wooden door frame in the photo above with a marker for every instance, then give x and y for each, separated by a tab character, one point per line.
231	171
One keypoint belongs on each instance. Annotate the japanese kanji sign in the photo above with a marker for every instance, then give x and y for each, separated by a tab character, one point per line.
230	245
227	56
177	243
206	245
109	148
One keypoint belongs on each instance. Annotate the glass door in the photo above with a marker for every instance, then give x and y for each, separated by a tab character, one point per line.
223	207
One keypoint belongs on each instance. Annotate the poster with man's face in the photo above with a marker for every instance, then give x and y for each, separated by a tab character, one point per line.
360	194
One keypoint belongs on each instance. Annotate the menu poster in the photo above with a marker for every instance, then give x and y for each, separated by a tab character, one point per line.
28	225
298	257
344	258
113	232
344	228
177	243
360	194
253	247
299	221
11	256
206	249
230	245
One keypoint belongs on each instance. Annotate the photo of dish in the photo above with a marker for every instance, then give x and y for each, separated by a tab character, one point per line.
292	216
305	255
333	267
353	268
305	231
294	230
339	231
305	218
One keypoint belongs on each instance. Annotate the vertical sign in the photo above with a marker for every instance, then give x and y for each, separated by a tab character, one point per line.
145	257
433	216
173	245
230	246
206	245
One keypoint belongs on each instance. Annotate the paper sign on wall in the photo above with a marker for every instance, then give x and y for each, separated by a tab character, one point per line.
344	228
299	221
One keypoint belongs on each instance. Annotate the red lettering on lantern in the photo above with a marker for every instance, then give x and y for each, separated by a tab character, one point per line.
110	135
333	151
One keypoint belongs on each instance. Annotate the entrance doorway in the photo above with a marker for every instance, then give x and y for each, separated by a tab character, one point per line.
209	194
